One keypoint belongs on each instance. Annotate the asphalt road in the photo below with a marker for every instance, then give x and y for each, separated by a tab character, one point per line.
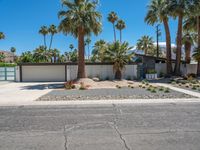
108	127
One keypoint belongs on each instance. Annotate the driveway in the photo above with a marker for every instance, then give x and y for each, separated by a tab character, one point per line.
101	127
12	93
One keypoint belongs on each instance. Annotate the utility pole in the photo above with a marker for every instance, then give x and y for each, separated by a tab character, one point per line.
158	34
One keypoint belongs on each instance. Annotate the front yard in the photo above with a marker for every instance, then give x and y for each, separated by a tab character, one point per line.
112	90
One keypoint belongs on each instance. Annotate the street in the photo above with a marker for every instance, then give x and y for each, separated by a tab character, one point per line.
173	126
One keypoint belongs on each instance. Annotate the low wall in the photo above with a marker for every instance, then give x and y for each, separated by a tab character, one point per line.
185	68
67	72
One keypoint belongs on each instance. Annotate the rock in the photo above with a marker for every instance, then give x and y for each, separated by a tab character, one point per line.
96	79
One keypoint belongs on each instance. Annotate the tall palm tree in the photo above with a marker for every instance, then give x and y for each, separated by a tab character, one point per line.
13	50
87	42
80	19
2	36
112	17
44	31
98	52
158	12
145	44
120	26
178	9
52	30
120	55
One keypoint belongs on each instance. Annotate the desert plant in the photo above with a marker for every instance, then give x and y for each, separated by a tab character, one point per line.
69	85
167	90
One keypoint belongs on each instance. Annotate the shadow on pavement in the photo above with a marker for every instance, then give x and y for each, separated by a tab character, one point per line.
43	87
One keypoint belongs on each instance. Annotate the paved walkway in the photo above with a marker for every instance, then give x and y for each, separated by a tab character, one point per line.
179	89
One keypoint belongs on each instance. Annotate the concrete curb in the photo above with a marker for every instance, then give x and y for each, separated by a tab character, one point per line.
104	102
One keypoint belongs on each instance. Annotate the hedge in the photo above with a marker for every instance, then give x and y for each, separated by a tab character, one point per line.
7	65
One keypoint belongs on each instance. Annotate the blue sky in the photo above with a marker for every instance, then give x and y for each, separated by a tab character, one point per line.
21	20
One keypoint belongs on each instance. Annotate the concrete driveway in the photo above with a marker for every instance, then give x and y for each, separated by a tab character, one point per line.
12	93
101	127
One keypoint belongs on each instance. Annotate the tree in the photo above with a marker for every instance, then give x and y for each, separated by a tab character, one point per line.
61	59
55	54
2	57
120	26
188	42
145	44
72	56
80	19
87	42
120	55
98	52
178	9
2	36
71	46
52	30
158	11
44	31
13	50
26	57
41	55
112	17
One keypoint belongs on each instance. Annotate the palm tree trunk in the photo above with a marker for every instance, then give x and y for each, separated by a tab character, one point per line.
198	30
115	39
51	42
168	48
81	54
118	75
177	69
188	47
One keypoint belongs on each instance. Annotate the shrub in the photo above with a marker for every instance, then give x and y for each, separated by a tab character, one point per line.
140	86
161	75
161	89
151	71
7	65
153	90
194	87
69	85
132	87
167	90
119	87
148	89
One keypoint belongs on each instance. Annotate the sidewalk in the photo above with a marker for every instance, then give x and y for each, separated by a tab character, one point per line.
179	89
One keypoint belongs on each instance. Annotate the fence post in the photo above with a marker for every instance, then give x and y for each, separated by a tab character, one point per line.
5	73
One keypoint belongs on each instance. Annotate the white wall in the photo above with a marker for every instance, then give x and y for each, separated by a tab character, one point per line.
57	73
43	73
185	69
101	71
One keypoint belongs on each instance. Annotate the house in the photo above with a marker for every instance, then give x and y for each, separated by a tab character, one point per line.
9	56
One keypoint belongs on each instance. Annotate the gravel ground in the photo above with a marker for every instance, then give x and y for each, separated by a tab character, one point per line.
109	94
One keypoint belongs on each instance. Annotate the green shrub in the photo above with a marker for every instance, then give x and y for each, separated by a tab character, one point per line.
167	90
69	85
153	90
161	89
194	87
7	65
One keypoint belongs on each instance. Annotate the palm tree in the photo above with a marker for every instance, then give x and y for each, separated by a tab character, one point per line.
80	19
158	12
120	26
72	56
61	59
112	17
41	55
2	36
87	42
55	54
26	57
44	31
178	8
120	55
13	50
98	52
52	31
188	42
71	46
145	44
